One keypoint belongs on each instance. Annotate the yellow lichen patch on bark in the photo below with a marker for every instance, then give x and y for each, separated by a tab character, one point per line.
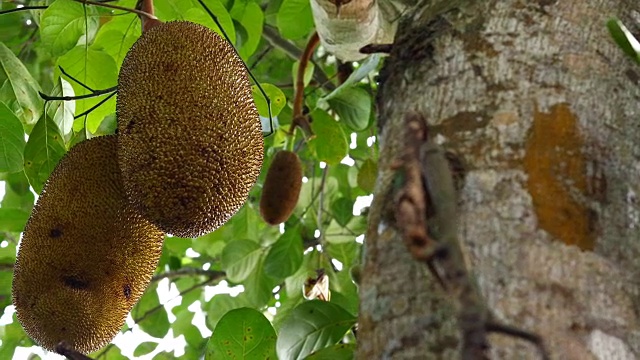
556	169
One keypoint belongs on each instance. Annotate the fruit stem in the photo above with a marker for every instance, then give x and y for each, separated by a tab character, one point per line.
302	66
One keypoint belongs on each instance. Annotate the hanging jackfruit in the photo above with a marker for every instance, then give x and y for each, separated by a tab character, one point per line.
190	143
86	256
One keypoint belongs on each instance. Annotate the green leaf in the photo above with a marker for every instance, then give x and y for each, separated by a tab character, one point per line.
62	111
239	259
97	70
145	348
11	141
44	149
24	87
13	220
295	19
312	326
259	286
115	43
199	16
245	223
64	22
12	336
15	195
285	256
335	352
242	334
342	209
623	38
184	326
368	65
252	20
278	100
221	304
5	288
330	142
353	106
150	315
346	253
367	175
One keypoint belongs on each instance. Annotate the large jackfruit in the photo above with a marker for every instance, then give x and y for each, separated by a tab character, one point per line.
190	139
86	256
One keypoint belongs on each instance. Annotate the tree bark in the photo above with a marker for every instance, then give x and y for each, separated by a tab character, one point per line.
542	112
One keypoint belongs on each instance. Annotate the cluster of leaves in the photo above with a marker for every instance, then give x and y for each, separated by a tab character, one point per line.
71	49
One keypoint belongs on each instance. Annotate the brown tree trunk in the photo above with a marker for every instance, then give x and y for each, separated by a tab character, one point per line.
542	110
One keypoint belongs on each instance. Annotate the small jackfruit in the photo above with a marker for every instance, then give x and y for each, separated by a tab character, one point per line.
190	140
281	188
86	256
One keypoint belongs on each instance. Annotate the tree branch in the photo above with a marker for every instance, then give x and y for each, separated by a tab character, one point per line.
272	36
189	271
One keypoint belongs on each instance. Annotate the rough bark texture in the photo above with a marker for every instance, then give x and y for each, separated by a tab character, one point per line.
543	111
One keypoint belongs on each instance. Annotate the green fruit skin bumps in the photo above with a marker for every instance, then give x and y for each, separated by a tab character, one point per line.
190	140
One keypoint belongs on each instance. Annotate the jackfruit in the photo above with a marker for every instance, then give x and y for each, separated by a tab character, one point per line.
86	256
281	188
190	140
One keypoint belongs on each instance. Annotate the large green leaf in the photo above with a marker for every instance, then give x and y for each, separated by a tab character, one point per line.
11	141
145	348
12	336
220	305
64	22
367	175
242	334
97	70
42	152
312	326
259	286
239	259
353	106
276	96
295	19
23	86
285	256
330	142
335	352
150	315
13	220
251	17
184	326
62	112
192	11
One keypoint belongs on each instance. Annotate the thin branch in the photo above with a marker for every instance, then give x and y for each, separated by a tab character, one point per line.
261	55
188	271
272	36
46	97
116	7
321	199
95	106
24	8
74	79
6	267
299	119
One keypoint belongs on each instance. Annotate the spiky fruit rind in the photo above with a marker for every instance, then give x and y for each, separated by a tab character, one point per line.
86	256
190	145
281	188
